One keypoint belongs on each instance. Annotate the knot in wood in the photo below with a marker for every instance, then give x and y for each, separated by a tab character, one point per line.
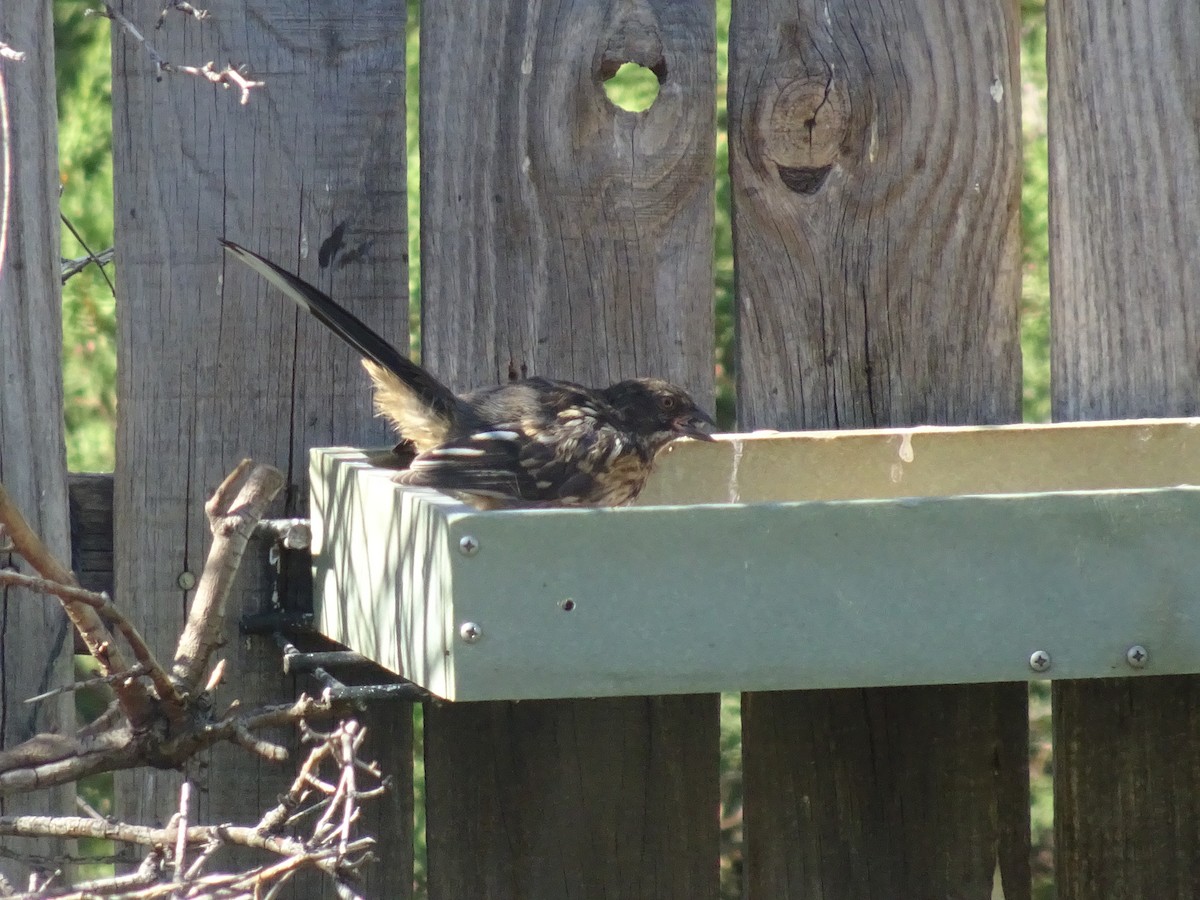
634	38
802	128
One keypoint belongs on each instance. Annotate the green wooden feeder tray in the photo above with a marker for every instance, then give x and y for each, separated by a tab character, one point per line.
781	561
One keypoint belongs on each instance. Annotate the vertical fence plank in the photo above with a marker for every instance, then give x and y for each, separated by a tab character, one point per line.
35	638
564	237
1124	232
875	163
212	369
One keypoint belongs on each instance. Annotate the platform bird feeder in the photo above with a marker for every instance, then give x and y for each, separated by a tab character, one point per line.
781	561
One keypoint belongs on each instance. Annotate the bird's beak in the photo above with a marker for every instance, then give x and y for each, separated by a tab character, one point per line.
695	426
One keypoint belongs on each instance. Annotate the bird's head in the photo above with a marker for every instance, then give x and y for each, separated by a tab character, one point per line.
659	411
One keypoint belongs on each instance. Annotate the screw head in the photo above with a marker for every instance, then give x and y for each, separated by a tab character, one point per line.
467	545
1137	657
186	580
470	632
1039	661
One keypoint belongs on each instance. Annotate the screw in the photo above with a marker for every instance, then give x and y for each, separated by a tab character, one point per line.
470	632
468	545
186	580
1137	657
1039	661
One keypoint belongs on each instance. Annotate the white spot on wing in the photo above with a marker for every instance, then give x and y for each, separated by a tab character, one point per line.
456	451
495	436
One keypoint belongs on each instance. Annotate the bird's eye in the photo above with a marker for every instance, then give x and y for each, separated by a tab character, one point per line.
667	402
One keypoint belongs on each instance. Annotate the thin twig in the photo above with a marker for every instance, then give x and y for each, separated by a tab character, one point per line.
68	592
137	671
72	267
181	843
180	6
230	76
88	250
110	615
88	808
133	696
338	855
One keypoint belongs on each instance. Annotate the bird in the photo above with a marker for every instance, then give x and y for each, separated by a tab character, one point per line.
533	442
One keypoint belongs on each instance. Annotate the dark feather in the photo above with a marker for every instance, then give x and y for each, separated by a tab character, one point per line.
353	330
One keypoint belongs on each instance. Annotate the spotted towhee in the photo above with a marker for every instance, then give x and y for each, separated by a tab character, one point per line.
533	442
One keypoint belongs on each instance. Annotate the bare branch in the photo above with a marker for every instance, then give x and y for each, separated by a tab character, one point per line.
230	76
133	696
227	77
70	593
135	672
181	826
167	871
29	545
88	808
232	520
102	603
90	255
72	267
180	6
50	760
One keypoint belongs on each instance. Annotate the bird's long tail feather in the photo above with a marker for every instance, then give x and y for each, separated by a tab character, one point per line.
433	400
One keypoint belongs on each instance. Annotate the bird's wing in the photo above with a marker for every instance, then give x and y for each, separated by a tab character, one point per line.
553	458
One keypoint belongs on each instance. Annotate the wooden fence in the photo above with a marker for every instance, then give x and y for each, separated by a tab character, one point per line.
875	164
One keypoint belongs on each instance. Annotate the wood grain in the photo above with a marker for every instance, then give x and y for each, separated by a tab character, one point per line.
875	165
215	366
562	236
91	508
1125	342
35	637
874	158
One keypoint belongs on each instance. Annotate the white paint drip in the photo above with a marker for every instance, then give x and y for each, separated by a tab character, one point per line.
906	447
735	495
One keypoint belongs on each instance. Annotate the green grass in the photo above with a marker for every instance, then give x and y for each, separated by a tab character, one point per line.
85	164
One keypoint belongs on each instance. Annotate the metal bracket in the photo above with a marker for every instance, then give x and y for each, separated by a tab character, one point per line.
296	661
287	610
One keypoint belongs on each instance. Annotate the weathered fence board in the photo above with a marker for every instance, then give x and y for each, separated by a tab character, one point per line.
875	161
1124	232
564	237
91	501
212	369
35	638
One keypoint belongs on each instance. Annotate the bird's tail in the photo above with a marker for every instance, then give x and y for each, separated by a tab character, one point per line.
420	406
